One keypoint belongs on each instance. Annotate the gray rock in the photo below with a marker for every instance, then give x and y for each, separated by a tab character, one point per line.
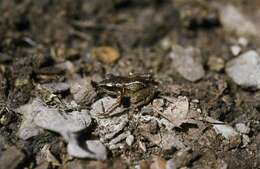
70	124
245	69
130	140
95	150
177	111
56	87
82	91
28	128
225	130
36	114
187	62
234	20
63	123
242	128
108	127
170	140
11	158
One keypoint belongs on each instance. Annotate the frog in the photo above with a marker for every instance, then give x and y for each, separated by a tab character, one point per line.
135	89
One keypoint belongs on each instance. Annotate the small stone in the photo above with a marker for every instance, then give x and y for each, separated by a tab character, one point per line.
28	128
158	163
242	128
142	146
119	138
216	63
129	140
177	111
234	20
225	130
47	155
56	87
82	91
245	140
108	127
243	41
187	62
11	158
94	150
68	124
43	165
245	69
182	158
170	141
235	49
105	54
37	114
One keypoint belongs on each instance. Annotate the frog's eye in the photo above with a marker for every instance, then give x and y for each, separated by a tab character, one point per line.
109	85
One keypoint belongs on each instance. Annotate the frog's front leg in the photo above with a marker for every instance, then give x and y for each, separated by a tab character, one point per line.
113	106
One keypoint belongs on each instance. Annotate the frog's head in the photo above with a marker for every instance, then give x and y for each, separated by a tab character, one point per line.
105	86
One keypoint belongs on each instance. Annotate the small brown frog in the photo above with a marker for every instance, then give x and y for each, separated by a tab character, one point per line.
135	89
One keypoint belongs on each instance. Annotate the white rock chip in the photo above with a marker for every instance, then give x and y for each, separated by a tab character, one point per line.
68	124
226	131
178	111
28	128
108	127
187	62
129	140
42	116
242	128
245	69
243	41
82	91
235	49
170	140
235	21
96	150
56	87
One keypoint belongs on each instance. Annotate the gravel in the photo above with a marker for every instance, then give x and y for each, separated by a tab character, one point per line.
187	62
245	69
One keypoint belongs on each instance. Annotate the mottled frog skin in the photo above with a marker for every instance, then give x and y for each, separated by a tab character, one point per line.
138	88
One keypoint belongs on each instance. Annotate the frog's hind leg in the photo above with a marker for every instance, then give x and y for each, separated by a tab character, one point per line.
146	99
113	106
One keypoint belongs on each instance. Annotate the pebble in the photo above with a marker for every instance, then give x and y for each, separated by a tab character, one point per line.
82	91
245	69
226	131
11	158
242	128
157	163
216	63
55	88
177	111
186	62
37	116
94	150
108	127
243	41
170	141
234	20
129	140
142	146
28	128
245	140
235	50
105	54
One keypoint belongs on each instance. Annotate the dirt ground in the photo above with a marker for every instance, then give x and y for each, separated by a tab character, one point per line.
53	41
